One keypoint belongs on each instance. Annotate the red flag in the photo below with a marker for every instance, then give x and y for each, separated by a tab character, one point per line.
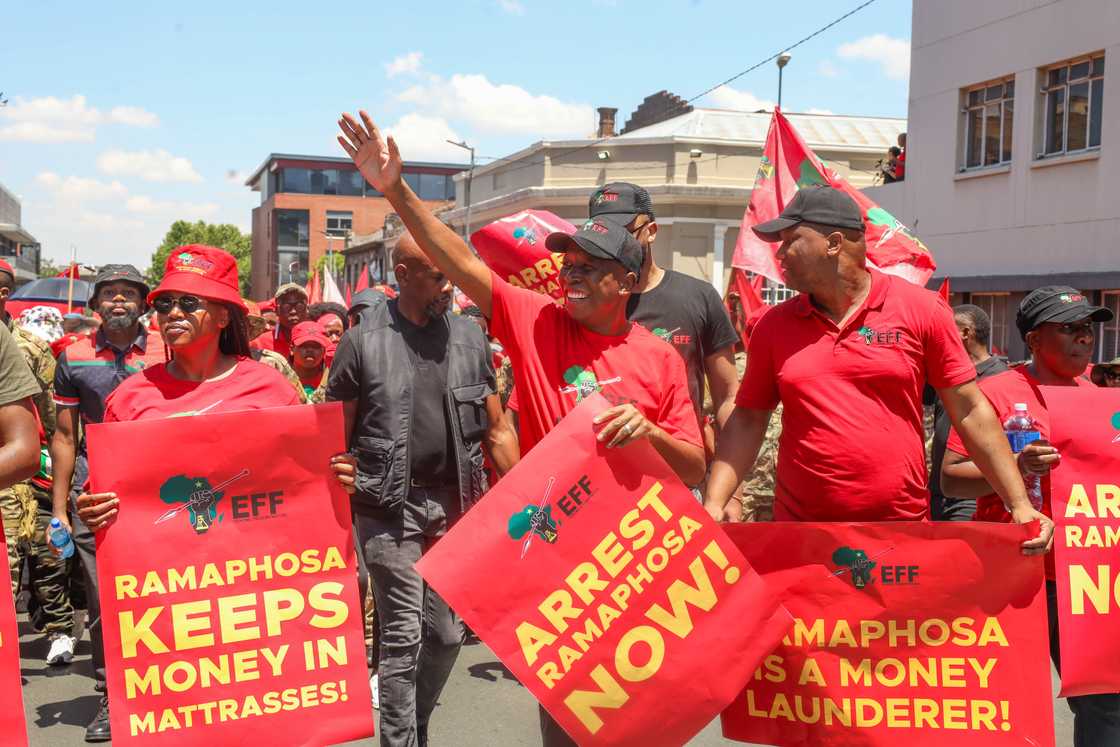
363	280
315	289
788	165
349	296
513	247
70	272
944	290
12	723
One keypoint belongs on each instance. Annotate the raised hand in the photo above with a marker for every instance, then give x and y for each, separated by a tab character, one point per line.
377	158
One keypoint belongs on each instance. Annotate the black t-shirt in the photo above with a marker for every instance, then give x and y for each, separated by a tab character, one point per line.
689	315
430	450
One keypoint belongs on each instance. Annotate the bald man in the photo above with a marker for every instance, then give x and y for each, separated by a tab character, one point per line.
417	387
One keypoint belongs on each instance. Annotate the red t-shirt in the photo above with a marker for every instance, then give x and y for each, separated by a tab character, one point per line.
852	444
277	341
556	362
1004	391
154	393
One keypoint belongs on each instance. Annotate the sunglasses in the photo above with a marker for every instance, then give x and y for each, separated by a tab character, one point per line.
187	304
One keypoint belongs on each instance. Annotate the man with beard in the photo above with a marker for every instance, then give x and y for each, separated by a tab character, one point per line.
88	371
417	387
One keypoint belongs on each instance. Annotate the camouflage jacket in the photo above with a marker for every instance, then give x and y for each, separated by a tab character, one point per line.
39	358
273	359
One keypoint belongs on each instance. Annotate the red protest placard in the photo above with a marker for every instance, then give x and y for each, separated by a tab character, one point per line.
598	579
1085	498
905	633
12	724
514	248
228	582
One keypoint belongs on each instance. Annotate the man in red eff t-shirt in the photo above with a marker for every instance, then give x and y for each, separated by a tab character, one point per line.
559	354
848	358
1056	322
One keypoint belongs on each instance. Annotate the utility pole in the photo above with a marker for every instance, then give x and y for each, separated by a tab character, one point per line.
783	60
470	178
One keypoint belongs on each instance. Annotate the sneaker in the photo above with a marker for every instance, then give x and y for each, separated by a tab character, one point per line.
376	695
61	651
98	729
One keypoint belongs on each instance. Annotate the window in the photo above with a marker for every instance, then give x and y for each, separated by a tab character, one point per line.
1073	102
291	245
339	223
995	306
988	113
1110	331
774	293
322	182
431	186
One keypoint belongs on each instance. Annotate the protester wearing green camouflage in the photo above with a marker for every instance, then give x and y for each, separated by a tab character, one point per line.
275	360
26	506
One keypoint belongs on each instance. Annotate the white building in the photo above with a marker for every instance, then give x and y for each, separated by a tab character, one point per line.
699	166
1013	157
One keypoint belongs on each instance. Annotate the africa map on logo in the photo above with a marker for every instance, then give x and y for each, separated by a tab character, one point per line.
197	496
857	562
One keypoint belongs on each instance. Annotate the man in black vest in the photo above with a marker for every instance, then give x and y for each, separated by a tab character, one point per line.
417	387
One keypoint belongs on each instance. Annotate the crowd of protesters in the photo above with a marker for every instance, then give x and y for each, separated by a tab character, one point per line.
821	420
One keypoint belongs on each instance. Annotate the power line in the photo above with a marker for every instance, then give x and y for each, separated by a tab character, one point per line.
795	45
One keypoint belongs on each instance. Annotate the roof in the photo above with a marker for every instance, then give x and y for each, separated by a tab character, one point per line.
17	233
256	175
819	130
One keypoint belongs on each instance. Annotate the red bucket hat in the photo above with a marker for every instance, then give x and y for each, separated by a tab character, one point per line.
309	332
204	271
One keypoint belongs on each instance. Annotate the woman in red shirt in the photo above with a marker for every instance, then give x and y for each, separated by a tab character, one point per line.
202	319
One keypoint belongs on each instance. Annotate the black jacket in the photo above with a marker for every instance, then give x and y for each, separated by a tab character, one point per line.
372	366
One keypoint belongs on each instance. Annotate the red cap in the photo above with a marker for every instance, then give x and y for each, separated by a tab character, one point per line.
7	268
269	305
204	271
309	332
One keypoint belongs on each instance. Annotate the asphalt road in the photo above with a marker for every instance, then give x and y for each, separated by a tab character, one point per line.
482	706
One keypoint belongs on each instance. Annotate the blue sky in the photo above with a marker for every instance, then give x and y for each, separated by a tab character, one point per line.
125	116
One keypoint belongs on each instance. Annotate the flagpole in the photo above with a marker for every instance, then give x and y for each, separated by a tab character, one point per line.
70	287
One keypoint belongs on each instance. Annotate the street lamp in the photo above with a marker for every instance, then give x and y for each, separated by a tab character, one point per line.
470	178
783	60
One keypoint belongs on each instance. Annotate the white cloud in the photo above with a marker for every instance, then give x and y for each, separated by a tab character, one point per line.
404	64
726	97
424	138
500	108
827	69
133	115
512	6
893	55
184	210
77	188
49	119
149	165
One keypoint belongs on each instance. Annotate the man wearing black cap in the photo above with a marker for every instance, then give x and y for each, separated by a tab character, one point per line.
88	371
680	309
1056	322
848	359
560	354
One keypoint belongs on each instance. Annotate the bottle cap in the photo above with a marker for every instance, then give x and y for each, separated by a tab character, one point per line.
55	523
1020	407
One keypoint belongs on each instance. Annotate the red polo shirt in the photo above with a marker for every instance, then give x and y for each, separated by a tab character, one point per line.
852	444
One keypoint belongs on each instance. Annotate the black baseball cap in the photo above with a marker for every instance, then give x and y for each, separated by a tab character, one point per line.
1057	304
113	273
621	202
601	238
819	204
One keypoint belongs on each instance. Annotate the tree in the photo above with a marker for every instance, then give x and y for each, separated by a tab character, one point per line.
48	269
224	236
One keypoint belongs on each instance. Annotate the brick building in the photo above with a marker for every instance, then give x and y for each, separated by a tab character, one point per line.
312	204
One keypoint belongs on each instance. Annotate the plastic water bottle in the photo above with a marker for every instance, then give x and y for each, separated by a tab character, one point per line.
1022	430
60	538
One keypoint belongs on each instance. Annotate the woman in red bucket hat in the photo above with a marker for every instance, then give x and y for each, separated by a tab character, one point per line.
202	319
